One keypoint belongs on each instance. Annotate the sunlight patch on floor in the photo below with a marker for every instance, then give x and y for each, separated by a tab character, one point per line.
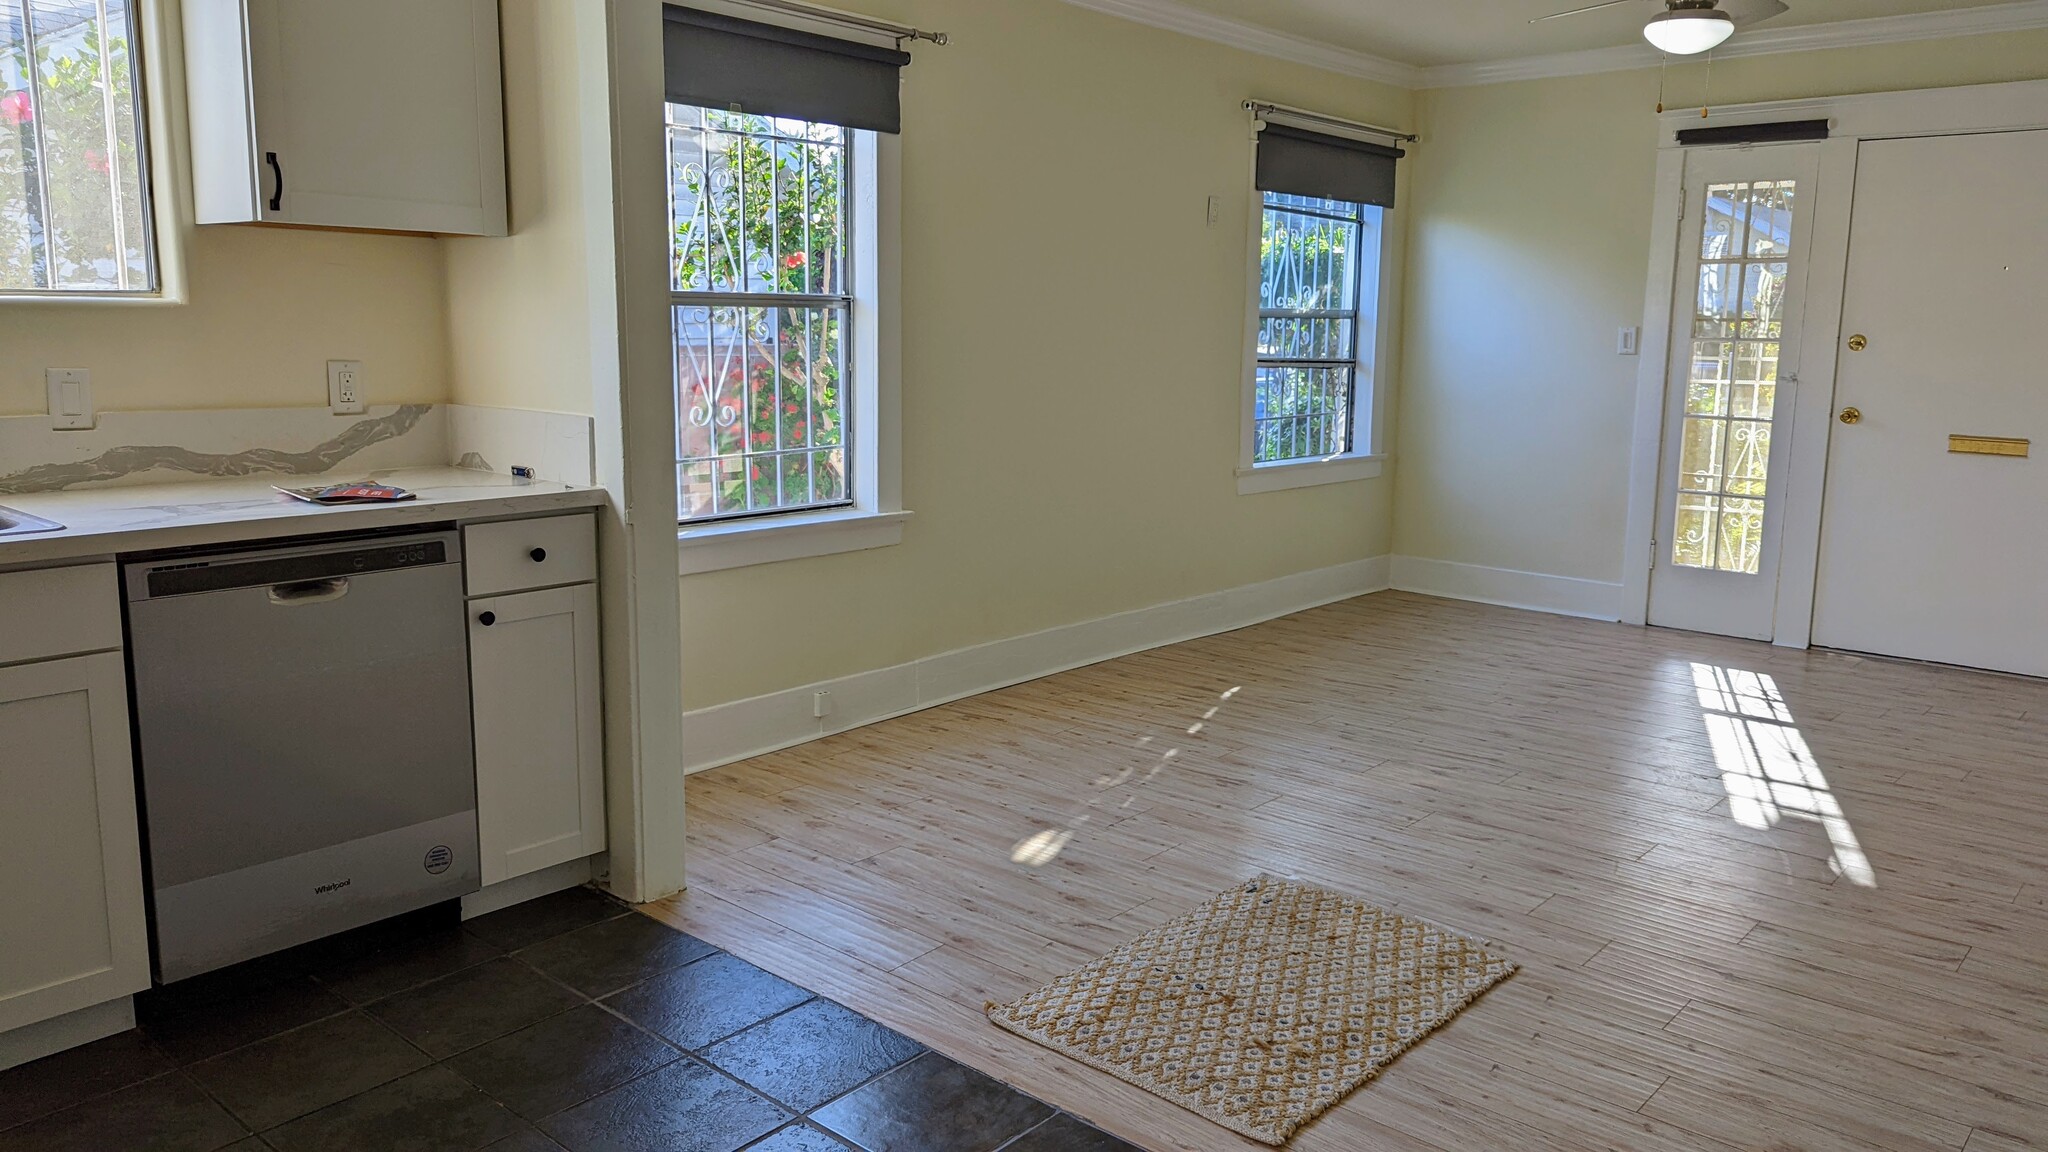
1766	766
1043	847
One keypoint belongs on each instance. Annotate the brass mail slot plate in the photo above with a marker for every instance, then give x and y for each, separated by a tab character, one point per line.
1989	446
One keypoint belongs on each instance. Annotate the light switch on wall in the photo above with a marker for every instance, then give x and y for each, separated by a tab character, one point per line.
70	397
1628	342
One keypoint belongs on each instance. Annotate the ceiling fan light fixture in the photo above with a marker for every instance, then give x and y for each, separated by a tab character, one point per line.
1689	31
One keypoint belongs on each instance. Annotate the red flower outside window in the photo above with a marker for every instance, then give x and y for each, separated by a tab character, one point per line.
16	108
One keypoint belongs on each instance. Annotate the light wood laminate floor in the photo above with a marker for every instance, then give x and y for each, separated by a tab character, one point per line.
1764	898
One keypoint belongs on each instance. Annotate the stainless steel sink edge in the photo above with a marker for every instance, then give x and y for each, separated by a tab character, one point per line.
13	523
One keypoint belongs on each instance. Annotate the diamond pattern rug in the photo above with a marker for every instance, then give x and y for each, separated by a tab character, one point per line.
1263	1007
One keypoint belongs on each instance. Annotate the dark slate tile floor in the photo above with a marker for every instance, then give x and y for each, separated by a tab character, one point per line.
569	1022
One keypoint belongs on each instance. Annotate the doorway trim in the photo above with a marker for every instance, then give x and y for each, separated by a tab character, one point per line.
2015	107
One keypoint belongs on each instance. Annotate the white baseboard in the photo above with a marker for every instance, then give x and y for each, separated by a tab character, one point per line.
746	728
1563	595
49	1037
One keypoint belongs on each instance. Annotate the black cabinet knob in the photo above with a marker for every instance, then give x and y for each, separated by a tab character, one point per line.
538	554
487	618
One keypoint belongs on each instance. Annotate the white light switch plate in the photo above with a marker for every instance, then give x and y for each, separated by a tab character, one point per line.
70	397
345	387
1629	342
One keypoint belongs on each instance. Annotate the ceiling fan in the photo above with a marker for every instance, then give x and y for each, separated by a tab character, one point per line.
1689	27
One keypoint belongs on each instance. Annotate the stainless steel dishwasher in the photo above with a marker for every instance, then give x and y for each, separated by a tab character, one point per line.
302	718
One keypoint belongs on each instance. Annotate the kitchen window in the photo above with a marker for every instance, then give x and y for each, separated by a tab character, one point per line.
1323	218
74	191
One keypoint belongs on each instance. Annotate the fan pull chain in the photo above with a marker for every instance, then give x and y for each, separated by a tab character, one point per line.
1705	105
1663	70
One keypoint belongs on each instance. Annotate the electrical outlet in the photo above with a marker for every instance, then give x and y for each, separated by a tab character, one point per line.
70	398
821	705
1215	210
345	387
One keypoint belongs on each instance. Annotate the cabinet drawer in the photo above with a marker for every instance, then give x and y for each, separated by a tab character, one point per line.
59	612
514	555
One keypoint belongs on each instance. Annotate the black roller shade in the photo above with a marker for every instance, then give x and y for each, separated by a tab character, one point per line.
716	61
1779	132
1297	162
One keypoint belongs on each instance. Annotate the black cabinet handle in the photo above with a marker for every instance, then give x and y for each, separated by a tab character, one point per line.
487	618
538	554
277	192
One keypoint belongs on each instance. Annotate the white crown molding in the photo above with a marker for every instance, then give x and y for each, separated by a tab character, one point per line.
1177	17
1174	16
2018	17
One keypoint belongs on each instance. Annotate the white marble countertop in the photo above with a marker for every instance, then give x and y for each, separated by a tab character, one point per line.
146	517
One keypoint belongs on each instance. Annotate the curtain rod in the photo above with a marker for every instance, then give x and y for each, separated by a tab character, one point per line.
901	32
1261	107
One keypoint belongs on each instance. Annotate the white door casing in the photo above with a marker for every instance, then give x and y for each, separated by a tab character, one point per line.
1925	553
1744	238
1853	121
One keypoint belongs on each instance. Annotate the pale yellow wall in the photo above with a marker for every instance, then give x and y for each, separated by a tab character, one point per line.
519	306
1529	242
266	308
1073	338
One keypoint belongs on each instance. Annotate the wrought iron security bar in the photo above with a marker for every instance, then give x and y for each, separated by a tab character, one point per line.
761	305
1309	315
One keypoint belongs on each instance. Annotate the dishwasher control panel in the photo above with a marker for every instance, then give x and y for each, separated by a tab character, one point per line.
185	577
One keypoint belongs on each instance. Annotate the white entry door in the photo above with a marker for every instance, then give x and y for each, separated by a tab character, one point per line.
1743	243
1925	552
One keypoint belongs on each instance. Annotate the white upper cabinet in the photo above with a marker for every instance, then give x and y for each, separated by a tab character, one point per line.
381	114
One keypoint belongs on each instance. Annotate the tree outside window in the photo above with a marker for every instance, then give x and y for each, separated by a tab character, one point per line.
73	216
761	308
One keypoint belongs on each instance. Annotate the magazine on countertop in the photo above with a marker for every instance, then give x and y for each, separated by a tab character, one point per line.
362	493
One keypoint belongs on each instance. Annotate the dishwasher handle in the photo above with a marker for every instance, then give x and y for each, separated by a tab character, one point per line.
309	592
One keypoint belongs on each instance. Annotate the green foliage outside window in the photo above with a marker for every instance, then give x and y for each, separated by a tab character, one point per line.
758	208
71	211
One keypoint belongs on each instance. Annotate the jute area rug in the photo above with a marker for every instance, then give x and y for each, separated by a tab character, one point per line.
1263	1007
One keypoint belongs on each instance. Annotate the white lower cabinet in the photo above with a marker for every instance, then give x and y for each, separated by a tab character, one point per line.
539	767
70	861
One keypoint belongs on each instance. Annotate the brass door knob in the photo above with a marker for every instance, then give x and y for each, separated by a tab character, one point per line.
1852	415
1858	342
